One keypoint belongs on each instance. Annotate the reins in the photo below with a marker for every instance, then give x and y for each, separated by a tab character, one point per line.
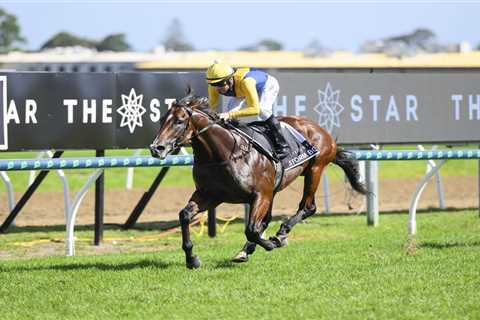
211	122
197	133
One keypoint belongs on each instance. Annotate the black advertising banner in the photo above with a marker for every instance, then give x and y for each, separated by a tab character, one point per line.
386	106
149	94
40	111
89	110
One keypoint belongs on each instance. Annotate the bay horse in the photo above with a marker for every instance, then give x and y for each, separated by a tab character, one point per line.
228	169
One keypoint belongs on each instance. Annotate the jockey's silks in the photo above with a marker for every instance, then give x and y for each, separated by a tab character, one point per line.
247	83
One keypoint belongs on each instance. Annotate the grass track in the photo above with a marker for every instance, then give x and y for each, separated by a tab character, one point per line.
334	267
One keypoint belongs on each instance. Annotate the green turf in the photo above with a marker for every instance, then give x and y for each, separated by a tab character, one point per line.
333	268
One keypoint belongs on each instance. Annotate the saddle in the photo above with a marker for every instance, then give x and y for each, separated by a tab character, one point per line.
259	135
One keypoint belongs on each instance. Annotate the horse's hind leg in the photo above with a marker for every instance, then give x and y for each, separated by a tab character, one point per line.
258	219
249	247
306	207
242	255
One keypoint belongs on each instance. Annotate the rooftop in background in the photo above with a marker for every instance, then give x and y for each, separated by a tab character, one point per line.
79	58
76	55
297	59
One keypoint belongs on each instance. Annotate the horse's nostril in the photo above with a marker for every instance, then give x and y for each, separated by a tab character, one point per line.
156	150
156	147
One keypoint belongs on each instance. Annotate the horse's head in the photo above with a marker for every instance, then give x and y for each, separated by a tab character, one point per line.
175	127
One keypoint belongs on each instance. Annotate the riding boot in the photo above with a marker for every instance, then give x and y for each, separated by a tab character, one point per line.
280	145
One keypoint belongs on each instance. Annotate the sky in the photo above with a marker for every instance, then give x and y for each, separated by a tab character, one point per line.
229	25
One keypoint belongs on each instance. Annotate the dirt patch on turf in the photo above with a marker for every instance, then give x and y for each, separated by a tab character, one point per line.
47	208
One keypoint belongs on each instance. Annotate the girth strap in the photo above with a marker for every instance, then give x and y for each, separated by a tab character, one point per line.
279	172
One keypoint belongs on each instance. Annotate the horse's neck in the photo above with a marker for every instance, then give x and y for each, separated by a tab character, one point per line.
212	145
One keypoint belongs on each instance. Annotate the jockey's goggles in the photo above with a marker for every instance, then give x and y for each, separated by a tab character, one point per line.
220	83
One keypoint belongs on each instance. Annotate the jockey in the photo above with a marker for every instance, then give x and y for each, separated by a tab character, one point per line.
245	85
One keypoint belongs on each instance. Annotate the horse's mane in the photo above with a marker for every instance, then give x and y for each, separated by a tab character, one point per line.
201	104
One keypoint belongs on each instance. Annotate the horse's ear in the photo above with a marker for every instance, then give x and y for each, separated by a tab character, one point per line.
204	101
200	103
189	90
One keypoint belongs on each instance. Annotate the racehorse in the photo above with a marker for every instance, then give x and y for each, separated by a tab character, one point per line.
228	169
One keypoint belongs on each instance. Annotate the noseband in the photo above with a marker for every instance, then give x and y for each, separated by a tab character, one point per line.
177	144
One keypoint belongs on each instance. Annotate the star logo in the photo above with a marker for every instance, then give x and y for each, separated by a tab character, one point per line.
328	108
131	110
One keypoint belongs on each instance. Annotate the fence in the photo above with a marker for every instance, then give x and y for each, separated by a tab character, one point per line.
101	163
98	111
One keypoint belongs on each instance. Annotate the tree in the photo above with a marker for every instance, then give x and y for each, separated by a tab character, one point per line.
114	42
410	44
9	32
65	39
264	45
269	45
315	49
175	39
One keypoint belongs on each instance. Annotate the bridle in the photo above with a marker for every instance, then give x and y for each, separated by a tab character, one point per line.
212	121
179	143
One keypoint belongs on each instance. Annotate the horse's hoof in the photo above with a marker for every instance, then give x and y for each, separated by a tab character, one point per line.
279	242
242	256
193	263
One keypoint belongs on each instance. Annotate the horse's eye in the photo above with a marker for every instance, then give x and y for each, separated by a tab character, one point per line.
178	122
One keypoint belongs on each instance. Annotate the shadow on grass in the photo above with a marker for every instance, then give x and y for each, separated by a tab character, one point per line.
144	226
448	245
166	225
99	266
147	226
447	210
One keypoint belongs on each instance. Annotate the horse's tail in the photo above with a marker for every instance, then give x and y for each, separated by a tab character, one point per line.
351	169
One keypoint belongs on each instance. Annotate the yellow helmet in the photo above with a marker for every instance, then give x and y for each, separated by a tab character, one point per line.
218	72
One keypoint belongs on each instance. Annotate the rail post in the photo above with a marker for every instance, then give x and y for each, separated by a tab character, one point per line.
212	225
99	203
371	173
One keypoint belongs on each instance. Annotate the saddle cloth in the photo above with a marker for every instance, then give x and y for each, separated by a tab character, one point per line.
300	150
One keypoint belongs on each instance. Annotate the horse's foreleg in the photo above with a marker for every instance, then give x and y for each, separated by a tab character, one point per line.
195	205
185	216
306	207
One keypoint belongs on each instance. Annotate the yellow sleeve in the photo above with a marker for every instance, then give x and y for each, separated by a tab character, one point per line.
253	104
213	96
